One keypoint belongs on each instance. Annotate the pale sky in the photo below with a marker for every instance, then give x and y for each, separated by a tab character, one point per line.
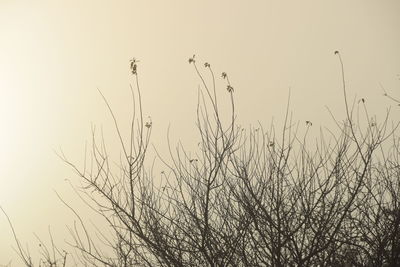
55	54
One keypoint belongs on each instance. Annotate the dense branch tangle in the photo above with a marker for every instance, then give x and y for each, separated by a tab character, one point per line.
251	197
247	197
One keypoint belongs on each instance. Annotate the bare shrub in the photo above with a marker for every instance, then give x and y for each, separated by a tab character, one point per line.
247	197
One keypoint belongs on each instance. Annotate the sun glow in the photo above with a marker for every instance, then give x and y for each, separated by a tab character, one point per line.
10	138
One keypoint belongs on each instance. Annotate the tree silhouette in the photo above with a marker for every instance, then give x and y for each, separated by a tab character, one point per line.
247	197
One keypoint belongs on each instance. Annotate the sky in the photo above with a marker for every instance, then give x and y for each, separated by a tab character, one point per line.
55	55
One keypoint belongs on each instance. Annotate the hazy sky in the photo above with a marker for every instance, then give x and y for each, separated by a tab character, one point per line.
55	54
